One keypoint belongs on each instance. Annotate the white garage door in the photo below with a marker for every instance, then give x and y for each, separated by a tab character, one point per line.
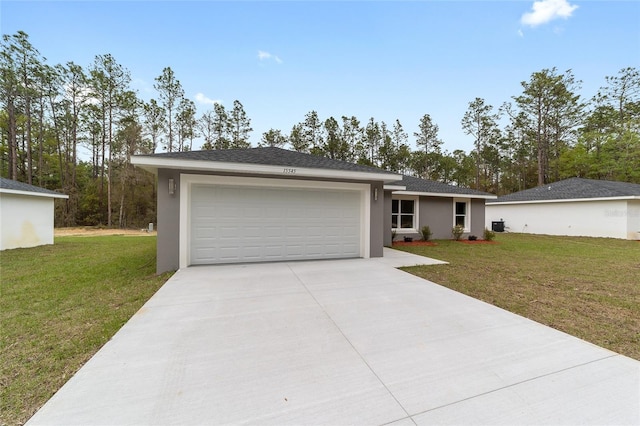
232	224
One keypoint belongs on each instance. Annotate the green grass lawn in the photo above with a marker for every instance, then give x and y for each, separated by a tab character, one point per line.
587	287
59	304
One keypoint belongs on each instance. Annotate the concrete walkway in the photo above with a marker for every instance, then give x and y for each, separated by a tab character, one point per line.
339	342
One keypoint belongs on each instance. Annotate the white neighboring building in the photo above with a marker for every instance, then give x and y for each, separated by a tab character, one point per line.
572	207
26	214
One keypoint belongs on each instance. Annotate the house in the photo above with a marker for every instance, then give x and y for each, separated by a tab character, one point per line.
264	204
271	204
573	207
26	214
412	203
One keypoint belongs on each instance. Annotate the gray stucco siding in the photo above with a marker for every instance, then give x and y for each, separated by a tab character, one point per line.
168	248
377	218
168	243
386	220
477	217
437	213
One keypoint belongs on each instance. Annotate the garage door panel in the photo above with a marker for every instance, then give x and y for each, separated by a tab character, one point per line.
231	224
253	212
228	232
207	232
273	231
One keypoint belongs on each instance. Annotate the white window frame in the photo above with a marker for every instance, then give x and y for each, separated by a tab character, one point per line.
467	218
416	205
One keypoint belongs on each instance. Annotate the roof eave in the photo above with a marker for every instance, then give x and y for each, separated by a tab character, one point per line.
32	193
447	195
570	200
153	164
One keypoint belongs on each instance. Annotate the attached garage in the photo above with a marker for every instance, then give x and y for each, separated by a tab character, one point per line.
264	205
238	220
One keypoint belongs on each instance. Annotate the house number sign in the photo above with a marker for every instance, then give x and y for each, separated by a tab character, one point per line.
289	171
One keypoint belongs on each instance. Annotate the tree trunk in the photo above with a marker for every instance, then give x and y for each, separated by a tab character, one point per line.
109	176
28	137
40	143
13	140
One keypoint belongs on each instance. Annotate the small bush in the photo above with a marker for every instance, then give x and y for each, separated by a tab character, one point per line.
473	238
393	235
488	235
426	233
457	232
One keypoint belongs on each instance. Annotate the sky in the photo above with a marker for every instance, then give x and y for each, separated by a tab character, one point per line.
383	59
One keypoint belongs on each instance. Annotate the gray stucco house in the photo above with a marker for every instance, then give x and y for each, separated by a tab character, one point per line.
412	203
271	204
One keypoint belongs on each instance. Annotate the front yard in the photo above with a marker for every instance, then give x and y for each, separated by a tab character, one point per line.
59	304
587	287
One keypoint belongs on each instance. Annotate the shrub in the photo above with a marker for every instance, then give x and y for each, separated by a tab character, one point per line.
457	232
393	235
473	238
426	233
488	235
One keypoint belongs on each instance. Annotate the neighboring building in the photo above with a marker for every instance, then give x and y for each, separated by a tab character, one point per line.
573	207
26	214
412	203
271	204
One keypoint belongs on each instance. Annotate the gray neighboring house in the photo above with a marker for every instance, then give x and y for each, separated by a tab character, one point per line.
412	203
26	214
271	204
572	207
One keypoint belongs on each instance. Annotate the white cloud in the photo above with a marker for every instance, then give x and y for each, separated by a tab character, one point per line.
202	99
265	56
544	11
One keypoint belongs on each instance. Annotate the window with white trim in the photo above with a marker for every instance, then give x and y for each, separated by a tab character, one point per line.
462	213
404	213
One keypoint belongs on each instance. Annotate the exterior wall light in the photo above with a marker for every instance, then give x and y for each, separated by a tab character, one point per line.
172	186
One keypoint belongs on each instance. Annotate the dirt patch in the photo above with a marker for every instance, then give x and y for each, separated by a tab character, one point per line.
94	232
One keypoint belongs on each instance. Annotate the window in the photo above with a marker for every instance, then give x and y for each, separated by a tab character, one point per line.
461	214
403	214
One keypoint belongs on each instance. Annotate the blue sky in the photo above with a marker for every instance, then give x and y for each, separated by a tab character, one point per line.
387	60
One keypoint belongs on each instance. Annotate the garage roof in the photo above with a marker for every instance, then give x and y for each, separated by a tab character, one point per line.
266	160
417	186
574	189
8	186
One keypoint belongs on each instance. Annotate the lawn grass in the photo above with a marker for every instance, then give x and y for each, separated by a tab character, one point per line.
587	287
59	304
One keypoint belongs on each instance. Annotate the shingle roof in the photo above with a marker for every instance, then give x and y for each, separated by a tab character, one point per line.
414	184
269	156
14	185
574	188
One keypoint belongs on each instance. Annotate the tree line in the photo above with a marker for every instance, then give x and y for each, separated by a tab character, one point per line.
74	129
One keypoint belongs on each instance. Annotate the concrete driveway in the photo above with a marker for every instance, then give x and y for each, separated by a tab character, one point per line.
339	342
